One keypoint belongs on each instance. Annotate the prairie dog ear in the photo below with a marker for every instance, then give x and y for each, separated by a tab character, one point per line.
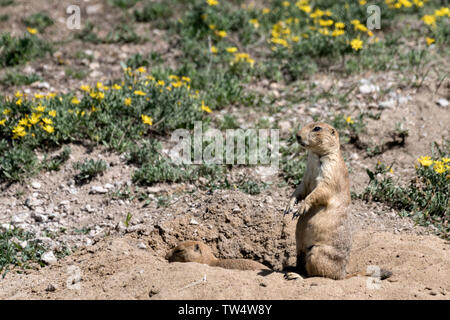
333	131
197	247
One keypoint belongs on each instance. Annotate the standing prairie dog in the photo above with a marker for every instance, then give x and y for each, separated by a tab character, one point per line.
196	251
323	235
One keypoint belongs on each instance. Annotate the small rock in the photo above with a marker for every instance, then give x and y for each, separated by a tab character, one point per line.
236	210
368	88
442	102
36	185
193	222
388	104
94	9
141	245
89	209
49	257
31	202
98	189
109	186
292	276
41	85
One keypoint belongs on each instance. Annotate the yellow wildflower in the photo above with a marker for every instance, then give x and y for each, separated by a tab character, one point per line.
140	93
141	70
337	32
325	23
75	100
349	120
429	20
127	102
356	44
442	12
85	87
213	49
430	41
265	10
116	87
6	112
34	118
205	108
212	2
186	79
19	131
2	122
221	33
425	161
231	49
254	23
47	120
339	25
52	113
23	122
40	108
146	119
32	30
48	128
439	167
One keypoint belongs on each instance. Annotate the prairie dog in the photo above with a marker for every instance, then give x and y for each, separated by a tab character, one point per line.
196	251
323	235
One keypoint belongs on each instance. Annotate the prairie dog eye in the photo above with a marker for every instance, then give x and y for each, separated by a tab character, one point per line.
317	129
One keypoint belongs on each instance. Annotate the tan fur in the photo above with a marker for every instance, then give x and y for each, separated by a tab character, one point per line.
196	251
323	237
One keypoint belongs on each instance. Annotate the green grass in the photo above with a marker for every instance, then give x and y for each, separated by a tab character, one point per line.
89	169
19	79
19	50
18	249
39	21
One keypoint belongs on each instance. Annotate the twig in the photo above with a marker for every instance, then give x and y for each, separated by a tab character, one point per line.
203	280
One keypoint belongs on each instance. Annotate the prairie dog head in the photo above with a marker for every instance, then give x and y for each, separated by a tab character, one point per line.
190	251
319	138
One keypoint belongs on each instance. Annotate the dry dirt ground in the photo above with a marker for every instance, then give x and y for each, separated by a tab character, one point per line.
112	261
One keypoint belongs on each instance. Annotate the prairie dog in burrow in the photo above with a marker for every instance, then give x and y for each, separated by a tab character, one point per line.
196	251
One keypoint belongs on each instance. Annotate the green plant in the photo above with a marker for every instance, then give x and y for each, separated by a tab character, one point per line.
39	21
19	79
128	219
123	4
153	11
18	248
89	169
54	164
14	51
425	198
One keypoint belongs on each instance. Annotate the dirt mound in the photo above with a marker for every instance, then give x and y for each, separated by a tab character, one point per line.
118	269
133	266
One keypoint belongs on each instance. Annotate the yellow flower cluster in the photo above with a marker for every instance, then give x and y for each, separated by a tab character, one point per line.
431	19
439	166
243	57
36	118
